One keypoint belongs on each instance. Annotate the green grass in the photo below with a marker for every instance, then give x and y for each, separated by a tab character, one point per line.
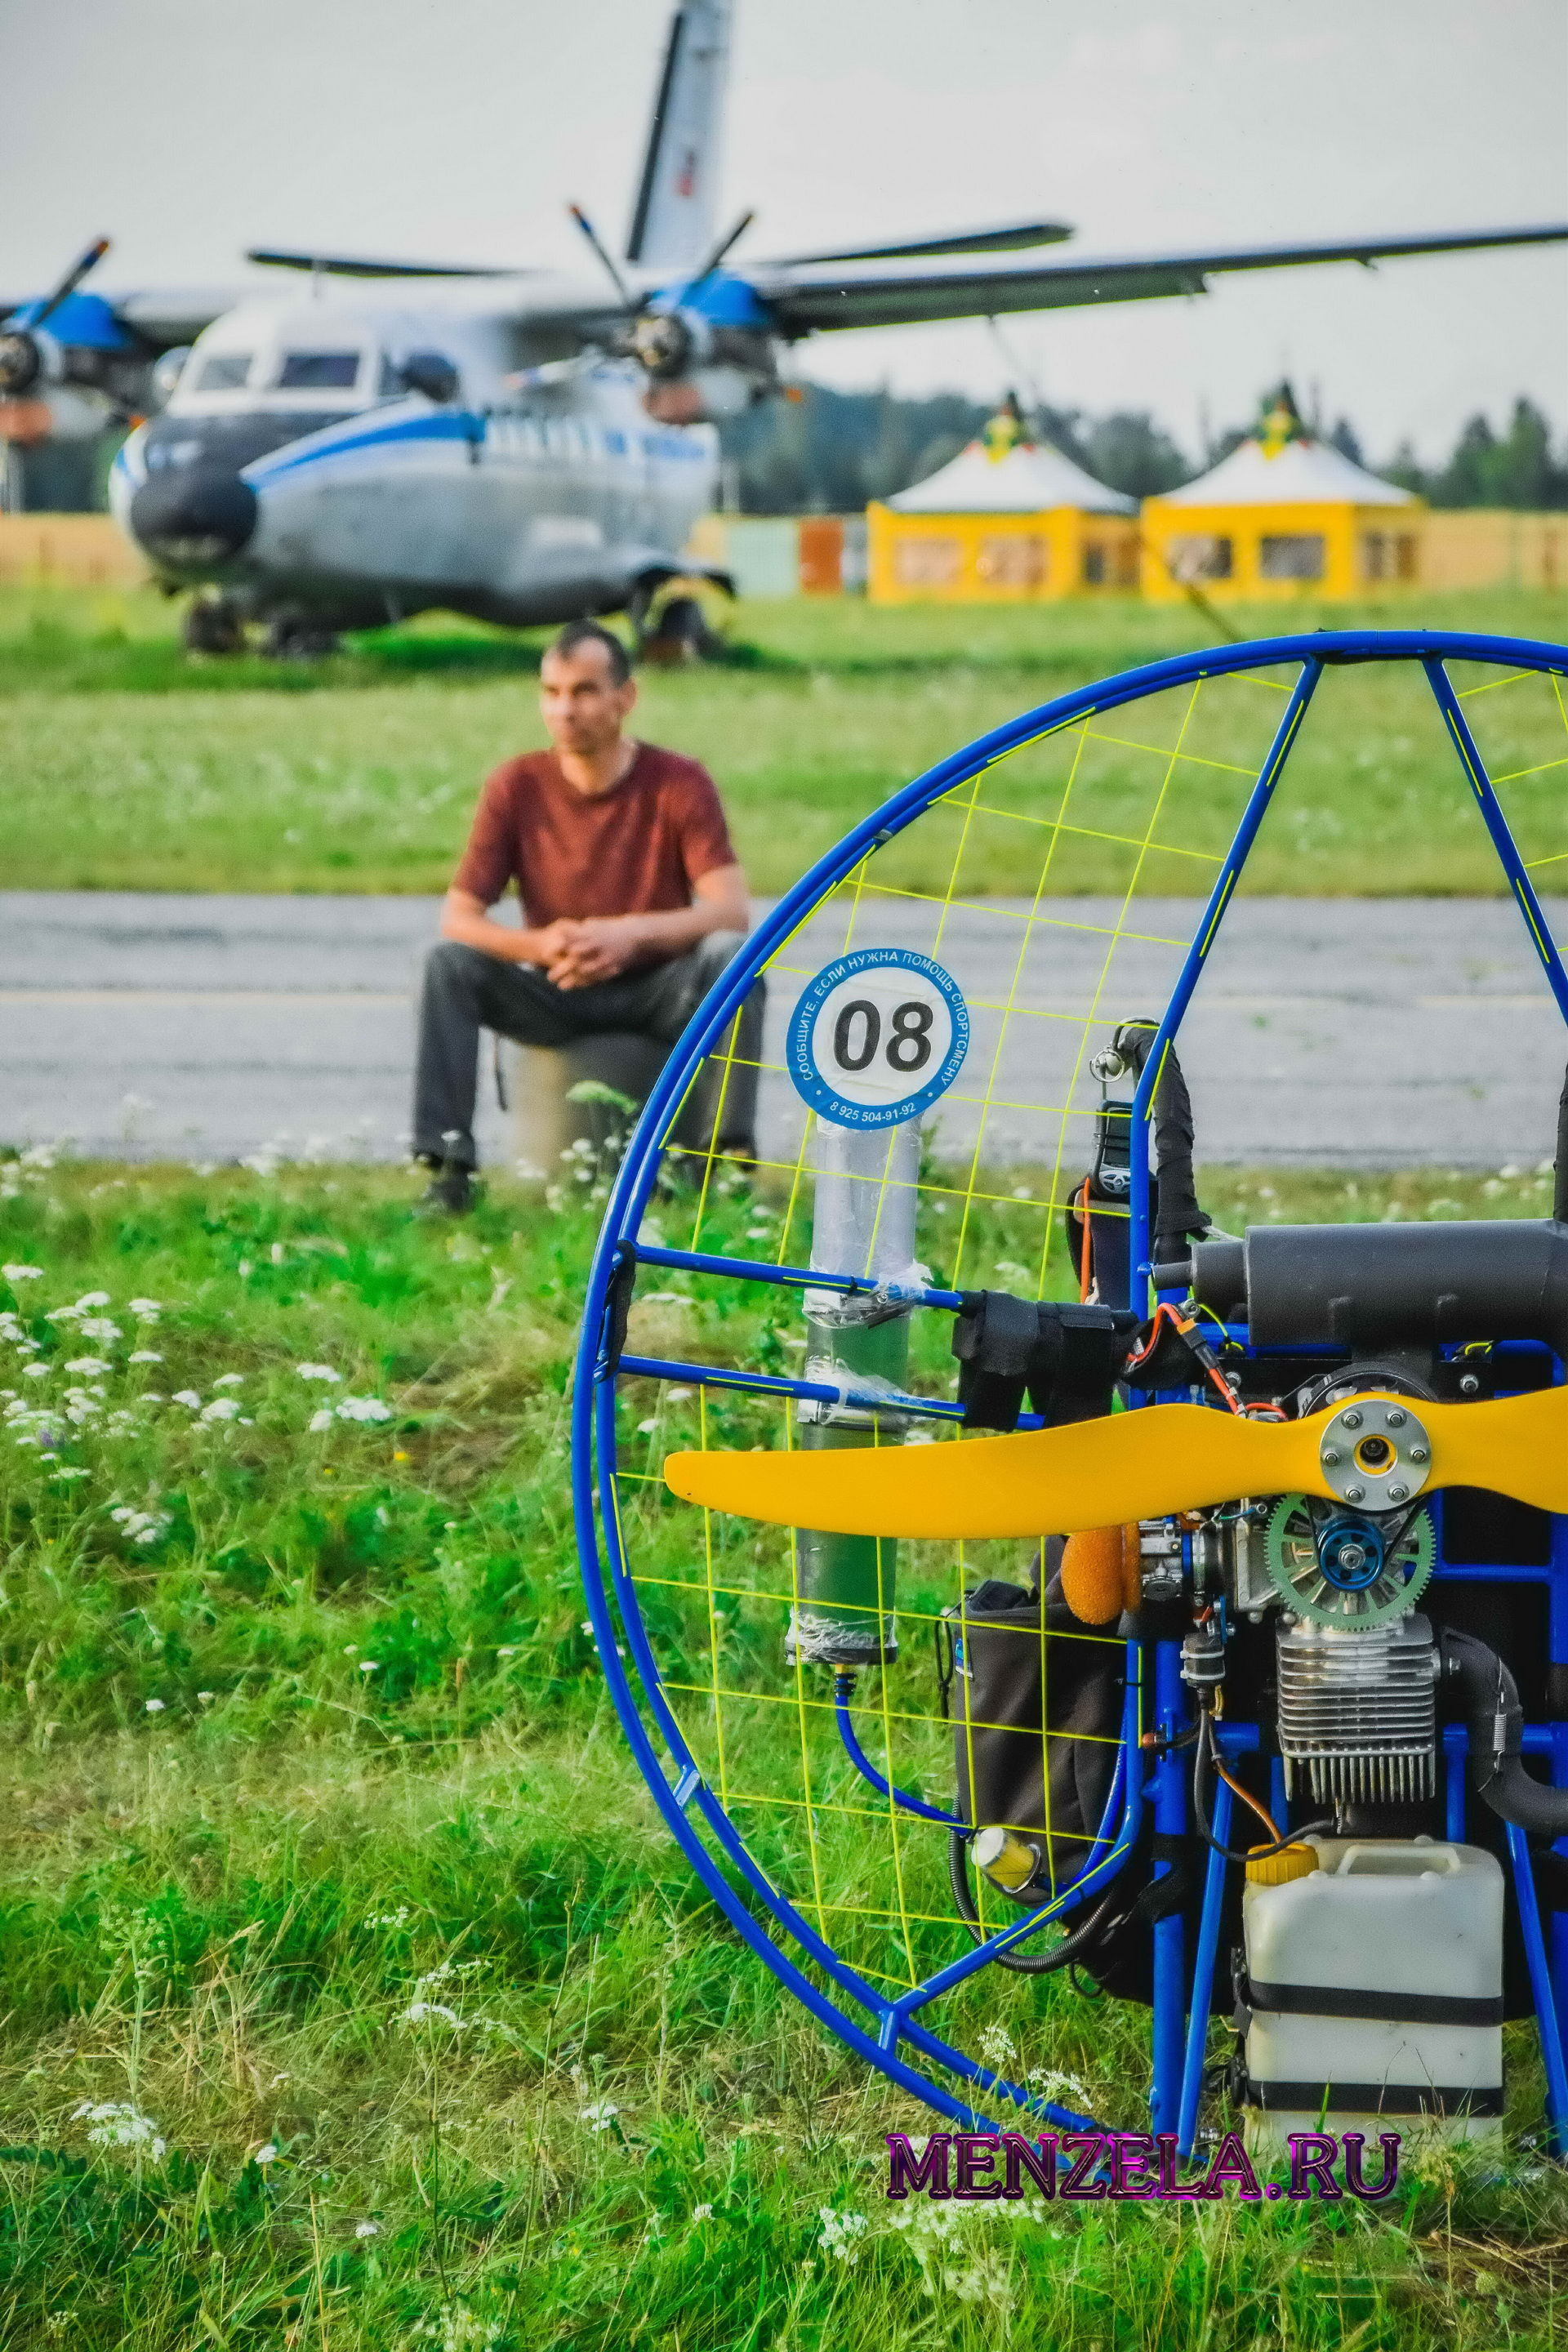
132	766
323	1854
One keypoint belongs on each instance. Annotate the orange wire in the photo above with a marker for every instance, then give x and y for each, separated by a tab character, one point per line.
1086	1247
1237	1790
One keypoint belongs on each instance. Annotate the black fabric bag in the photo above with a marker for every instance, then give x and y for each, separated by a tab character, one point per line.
1028	1710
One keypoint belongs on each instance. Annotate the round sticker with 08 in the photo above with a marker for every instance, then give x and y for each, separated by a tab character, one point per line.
876	1037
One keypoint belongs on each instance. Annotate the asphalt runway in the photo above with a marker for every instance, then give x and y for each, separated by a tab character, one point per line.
1344	1031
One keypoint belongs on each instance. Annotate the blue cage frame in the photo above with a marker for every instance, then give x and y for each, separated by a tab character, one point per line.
885	2030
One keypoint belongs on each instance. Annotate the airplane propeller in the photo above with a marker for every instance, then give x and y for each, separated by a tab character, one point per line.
21	353
1375	1452
658	338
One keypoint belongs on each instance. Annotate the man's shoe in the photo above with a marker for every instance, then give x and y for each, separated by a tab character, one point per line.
450	1193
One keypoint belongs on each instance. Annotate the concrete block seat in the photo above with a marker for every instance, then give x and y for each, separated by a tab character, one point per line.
549	1114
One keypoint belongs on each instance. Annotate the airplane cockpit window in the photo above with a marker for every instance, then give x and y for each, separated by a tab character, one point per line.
224	372
318	371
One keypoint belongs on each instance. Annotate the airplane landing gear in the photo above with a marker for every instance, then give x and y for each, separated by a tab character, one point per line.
679	632
213	625
294	636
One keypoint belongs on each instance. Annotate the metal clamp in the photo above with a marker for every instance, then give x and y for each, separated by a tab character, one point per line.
1375	1454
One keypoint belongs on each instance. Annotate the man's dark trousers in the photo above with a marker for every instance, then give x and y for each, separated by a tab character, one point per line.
467	991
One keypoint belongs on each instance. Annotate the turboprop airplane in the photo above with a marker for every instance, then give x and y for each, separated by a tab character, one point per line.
523	447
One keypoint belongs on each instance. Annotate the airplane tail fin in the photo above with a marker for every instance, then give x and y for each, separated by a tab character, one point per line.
673	221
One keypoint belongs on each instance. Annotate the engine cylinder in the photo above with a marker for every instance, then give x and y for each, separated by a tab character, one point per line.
1358	1711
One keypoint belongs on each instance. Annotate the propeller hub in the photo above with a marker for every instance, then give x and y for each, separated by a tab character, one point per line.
662	343
1375	1454
21	362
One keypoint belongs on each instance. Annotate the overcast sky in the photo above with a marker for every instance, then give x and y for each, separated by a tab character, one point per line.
458	129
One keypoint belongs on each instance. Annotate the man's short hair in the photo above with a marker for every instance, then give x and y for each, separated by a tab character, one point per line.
577	634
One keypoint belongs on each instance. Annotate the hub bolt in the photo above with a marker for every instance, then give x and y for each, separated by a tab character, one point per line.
1352	1419
1330	1456
1395	1418
1354	1494
1419	1454
1398	1491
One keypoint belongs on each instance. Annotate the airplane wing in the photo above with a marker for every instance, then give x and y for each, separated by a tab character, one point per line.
339	265
1010	239
805	299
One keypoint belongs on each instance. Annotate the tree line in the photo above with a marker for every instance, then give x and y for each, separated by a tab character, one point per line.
827	452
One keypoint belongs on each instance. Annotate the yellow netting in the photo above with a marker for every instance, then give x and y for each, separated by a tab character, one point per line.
1061	888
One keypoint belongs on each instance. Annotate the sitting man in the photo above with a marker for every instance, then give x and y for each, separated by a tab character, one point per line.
633	903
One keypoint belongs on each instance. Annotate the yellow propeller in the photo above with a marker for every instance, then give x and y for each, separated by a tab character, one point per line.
1374	1451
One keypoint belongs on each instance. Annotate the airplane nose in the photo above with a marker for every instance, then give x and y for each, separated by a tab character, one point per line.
194	515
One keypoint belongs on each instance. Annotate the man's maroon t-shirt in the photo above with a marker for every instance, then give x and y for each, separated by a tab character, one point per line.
636	849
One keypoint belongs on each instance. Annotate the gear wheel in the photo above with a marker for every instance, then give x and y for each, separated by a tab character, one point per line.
1315	1567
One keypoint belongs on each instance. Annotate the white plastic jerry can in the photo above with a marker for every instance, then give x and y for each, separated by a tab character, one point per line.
1374	1993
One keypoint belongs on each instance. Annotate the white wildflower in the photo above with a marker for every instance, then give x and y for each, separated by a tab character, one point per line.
229	1380
459	2329
21	1272
115	2123
140	1526
35	1371
98	1327
840	2233
268	2153
646	1428
144	1356
92	1299
323	1419
154	1706
221	1409
94	1364
1050	2082
363	1409
146	1310
187	1396
63	1314
996	2047
431	2013
702	2212
367	2228
599	2115
678	1396
370	1665
317	1372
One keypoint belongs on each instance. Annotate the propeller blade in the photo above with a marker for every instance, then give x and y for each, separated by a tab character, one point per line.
72	280
1131	1465
725	245
602	250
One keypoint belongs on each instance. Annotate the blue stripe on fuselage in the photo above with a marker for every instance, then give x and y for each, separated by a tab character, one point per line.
448	426
461	424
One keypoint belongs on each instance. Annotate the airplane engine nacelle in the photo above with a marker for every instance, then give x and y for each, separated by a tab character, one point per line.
705	397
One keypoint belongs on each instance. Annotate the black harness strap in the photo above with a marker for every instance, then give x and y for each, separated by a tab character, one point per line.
1067	1358
1351	2000
1374	2098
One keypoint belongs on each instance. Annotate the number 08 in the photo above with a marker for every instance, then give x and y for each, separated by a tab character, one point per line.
857	1033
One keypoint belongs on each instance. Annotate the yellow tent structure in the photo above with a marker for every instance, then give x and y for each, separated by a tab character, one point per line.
1007	521
1283	516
